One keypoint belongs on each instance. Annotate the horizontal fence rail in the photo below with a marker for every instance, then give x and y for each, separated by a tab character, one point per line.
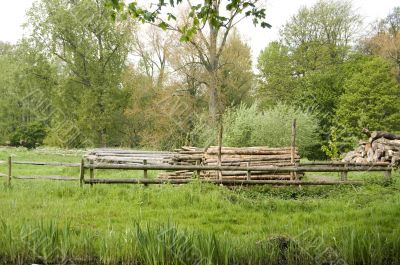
216	181
315	166
40	163
339	163
62	178
11	162
271	169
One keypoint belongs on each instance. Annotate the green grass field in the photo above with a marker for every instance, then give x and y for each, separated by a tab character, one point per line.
54	222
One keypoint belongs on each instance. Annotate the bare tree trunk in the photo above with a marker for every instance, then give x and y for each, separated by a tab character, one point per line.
213	71
213	101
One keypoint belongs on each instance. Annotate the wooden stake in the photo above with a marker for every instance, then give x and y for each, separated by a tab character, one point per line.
145	171
91	172
82	172
293	149
220	147
388	174
197	171
9	171
248	172
343	174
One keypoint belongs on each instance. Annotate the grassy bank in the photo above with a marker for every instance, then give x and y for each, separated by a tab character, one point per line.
55	222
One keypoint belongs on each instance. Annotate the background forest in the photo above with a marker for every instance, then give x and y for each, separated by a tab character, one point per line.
82	79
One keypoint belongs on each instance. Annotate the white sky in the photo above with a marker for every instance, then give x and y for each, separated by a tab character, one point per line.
12	16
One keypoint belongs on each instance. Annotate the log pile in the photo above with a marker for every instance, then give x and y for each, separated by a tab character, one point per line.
230	156
233	156
132	157
381	147
249	156
186	155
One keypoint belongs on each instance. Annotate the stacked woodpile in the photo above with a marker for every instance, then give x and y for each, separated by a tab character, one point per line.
233	156
132	157
261	156
186	155
381	147
230	156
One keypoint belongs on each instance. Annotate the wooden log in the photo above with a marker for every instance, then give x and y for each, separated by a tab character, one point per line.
220	146
343	174
198	152
61	164
119	151
233	168
252	148
148	155
255	164
385	144
126	159
378	134
248	175
293	148
244	173
9	171
82	172
62	178
91	170
248	152
338	163
220	182
188	157
259	177
388	174
236	157
231	158
145	171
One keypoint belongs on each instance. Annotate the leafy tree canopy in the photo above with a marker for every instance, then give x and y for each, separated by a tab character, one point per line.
206	12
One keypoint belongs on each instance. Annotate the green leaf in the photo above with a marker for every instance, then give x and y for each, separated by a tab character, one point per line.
171	16
163	25
184	38
265	25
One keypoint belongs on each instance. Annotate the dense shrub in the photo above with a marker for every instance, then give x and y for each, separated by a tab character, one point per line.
29	135
248	126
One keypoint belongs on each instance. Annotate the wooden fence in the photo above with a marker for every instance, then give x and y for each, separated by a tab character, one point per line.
341	167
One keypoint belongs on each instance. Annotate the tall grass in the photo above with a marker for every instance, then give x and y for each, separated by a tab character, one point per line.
48	222
48	242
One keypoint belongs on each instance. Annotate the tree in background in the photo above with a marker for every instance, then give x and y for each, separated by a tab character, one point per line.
206	28
26	80
305	68
385	42
371	99
169	110
275	80
236	74
91	52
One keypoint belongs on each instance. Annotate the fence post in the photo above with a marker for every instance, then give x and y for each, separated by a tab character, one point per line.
82	172
343	174
197	170
220	133
248	171
145	171
388	174
9	171
91	171
293	175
